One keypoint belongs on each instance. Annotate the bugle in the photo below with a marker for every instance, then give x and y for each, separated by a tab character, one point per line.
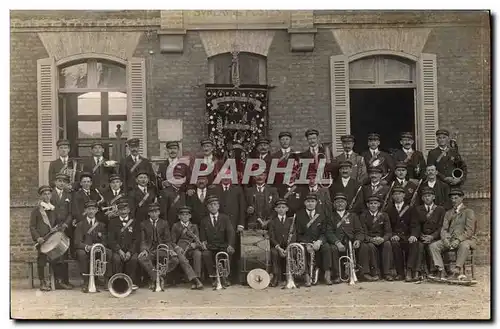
349	266
120	285
222	268
97	265
161	266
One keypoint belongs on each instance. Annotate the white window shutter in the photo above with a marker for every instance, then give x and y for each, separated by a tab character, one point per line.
136	96
47	116
428	99
341	114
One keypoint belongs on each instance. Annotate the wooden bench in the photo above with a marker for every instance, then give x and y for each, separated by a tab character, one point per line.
48	269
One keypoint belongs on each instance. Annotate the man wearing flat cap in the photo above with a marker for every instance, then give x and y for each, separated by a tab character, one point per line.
427	221
458	233
447	159
173	160
317	151
133	163
112	196
349	187
358	171
375	158
375	187
283	155
400	180
141	196
262	152
209	159
99	167
413	159
63	164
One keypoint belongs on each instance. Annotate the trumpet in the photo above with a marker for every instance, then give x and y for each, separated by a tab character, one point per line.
120	285
97	266
222	268
295	263
111	163
350	266
161	267
110	211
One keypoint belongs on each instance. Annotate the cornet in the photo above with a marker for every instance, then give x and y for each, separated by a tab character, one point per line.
350	266
295	263
97	266
222	268
161	267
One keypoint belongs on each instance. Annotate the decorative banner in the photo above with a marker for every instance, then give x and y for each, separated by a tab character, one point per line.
236	117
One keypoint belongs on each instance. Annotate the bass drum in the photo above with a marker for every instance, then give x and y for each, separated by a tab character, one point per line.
255	252
55	246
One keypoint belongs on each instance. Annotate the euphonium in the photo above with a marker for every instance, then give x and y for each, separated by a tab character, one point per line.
222	268
97	266
313	270
120	285
295	263
161	267
350	266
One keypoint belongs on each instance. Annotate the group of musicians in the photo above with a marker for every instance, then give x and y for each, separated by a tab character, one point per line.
396	210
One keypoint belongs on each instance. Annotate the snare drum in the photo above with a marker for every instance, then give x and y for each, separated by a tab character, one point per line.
55	246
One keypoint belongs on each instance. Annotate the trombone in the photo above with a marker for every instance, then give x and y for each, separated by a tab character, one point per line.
350	266
97	266
161	267
222	268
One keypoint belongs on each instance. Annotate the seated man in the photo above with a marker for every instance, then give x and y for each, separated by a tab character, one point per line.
457	233
216	234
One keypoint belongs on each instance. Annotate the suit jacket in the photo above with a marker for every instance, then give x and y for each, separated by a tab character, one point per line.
332	167
461	226
400	224
270	197
381	227
135	197
279	177
279	232
295	198
267	159
387	165
427	225
55	168
324	200
83	238
441	190
179	166
198	208
219	237
128	175
100	178
232	203
316	231
415	163
109	196
350	191
182	238
351	228
359	172
409	186
381	191
171	199
162	235
128	240
447	163
38	228
78	202
63	207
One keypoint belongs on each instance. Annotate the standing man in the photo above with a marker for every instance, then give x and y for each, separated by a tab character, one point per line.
63	164
375	188
349	187
413	159
358	172
323	194
81	196
196	201
458	233
440	188
111	196
409	186
173	159
446	159
141	196
260	202
263	153
97	166
134	163
172	198
316	152
210	159
374	158
283	154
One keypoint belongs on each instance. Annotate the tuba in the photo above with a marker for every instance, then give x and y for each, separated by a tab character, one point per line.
295	263
222	268
97	266
161	267
350	266
120	285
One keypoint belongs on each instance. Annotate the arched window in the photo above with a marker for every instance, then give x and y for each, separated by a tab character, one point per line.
382	70
92	102
252	69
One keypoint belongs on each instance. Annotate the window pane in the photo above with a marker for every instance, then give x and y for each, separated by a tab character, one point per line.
222	68
89	129
110	76
249	69
363	71
89	104
123	128
74	76
117	103
397	71
84	151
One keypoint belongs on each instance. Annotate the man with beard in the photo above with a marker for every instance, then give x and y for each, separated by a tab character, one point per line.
173	160
378	159
358	172
413	159
441	189
134	163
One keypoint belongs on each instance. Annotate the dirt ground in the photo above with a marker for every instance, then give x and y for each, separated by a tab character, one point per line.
377	300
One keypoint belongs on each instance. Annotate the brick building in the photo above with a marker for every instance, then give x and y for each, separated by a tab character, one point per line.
76	74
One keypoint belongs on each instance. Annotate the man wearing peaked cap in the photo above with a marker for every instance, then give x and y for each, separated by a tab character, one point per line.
113	195
458	233
263	152
447	159
358	171
400	180
279	238
83	194
141	196
412	158
374	157
100	167
209	158
284	154
375	187
348	185
316	152
173	159
173	196
63	164
135	163
260	198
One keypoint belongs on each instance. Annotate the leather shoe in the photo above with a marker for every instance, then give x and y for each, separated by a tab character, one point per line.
398	278
307	281
274	281
197	285
368	278
328	279
408	277
388	278
336	280
62	285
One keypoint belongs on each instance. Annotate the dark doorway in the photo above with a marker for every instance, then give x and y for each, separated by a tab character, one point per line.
387	112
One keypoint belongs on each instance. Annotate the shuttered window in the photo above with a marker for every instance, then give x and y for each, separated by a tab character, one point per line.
136	85
428	102
339	69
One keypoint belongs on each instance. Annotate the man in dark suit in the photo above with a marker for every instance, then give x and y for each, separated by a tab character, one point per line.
63	164
446	159
88	232
400	214
375	188
409	186
43	219
358	172
216	234
349	187
263	153
260	201
208	160
81	196
323	194
378	232
426	224
172	198
294	196
378	159
174	161
440	188
316	152
284	154
124	239
99	167
281	234
311	225
133	163
412	158
196	201
141	197
112	196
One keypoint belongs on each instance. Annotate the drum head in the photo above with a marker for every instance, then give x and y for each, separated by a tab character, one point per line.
51	242
258	279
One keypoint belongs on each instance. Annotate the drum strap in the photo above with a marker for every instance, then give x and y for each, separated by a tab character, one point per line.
144	199
45	218
63	169
344	218
443	154
176	199
135	165
312	220
373	158
93	227
126	225
377	189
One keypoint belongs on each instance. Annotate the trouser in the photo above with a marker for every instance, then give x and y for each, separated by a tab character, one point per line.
416	256
437	247
195	256
235	258
325	258
400	254
381	252
83	259
209	259
59	268
181	260
128	267
278	263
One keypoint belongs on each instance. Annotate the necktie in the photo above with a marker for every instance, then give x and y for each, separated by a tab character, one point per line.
428	208
373	188
155	233
347	156
115	193
214	220
310	214
282	220
65	161
59	193
260	189
202	195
